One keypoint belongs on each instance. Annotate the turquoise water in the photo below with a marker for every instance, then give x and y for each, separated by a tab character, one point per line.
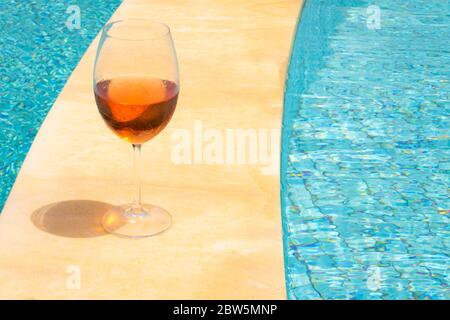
366	152
38	53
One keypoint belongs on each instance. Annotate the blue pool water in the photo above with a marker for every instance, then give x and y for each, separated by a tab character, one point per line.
366	152
38	53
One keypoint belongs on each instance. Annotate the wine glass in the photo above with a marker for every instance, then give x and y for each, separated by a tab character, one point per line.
136	87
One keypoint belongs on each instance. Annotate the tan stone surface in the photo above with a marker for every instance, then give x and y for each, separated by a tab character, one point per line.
226	239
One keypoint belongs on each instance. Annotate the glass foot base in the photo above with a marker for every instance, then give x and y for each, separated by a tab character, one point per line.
131	221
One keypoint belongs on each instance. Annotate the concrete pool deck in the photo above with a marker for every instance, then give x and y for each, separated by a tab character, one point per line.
226	240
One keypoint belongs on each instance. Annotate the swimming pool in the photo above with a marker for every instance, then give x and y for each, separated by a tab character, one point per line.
38	54
366	151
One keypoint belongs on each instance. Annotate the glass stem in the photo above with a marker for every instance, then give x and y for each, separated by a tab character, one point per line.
137	175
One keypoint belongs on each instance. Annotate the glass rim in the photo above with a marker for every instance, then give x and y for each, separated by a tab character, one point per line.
108	26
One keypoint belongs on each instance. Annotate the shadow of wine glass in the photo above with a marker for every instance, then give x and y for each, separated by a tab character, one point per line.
72	219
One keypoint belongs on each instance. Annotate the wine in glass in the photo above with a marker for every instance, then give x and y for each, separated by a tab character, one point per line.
136	87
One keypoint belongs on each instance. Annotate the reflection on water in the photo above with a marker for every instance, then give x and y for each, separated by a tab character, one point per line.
366	152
